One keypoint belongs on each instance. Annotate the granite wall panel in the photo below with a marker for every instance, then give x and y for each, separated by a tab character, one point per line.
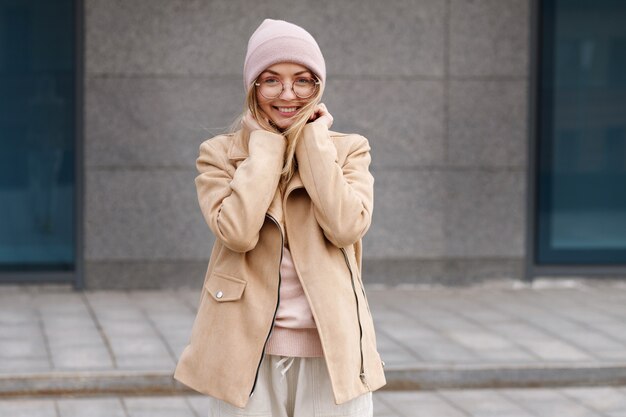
437	86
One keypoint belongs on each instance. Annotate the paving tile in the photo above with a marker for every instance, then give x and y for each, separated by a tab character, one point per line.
603	399
138	328
22	348
453	323
18	316
85	357
406	335
479	340
61	321
527	402
199	404
548	403
485	403
610	355
585	315
446	353
556	325
137	346
399	358
615	329
62	303
149	329
27	408
155	300
158	407
190	298
590	340
125	314
507	355
486	317
413	403
21	365
150	362
75	340
91	407
381	409
169	320
517	331
21	330
555	350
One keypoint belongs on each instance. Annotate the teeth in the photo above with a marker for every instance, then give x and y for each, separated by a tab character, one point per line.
287	109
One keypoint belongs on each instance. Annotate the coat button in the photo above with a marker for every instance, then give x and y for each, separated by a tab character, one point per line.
219	294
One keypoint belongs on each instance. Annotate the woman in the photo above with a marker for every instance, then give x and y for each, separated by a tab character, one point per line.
283	327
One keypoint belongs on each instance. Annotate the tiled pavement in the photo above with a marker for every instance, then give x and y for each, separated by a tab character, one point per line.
553	333
570	402
55	328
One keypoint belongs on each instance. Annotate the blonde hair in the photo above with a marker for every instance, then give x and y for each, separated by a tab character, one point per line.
293	133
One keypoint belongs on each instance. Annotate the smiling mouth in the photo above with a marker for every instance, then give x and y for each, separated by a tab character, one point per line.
287	110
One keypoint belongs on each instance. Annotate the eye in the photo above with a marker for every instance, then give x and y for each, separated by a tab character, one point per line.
305	81
270	81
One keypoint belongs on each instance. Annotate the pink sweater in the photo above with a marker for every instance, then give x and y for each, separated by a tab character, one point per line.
294	332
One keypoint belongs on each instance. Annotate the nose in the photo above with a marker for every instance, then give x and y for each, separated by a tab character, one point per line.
287	93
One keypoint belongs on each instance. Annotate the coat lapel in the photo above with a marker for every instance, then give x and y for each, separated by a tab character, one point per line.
238	149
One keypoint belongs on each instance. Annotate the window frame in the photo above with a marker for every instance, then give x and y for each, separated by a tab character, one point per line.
536	123
74	277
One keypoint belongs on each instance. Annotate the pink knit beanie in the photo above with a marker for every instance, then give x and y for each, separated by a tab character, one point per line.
277	41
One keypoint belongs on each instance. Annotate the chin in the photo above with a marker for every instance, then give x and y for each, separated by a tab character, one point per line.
283	124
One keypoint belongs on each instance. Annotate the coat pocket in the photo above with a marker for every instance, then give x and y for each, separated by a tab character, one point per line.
224	287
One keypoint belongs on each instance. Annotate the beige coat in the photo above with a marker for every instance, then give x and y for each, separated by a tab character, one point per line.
326	209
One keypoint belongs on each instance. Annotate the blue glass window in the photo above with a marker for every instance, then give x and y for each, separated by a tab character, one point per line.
37	132
581	166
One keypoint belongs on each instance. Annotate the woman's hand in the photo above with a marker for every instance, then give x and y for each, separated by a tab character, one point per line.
250	123
322	115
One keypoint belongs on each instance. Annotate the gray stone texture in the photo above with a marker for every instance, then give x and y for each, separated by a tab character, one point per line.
437	87
399	37
146	274
138	214
156	122
487	123
408	215
402	119
485	213
489	38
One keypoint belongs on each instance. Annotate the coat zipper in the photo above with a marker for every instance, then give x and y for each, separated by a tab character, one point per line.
358	315
282	241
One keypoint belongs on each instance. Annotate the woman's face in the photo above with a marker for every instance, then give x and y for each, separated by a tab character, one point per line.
282	108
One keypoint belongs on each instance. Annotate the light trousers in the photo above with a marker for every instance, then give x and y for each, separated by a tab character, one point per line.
293	387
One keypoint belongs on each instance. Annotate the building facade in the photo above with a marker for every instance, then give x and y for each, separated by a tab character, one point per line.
497	130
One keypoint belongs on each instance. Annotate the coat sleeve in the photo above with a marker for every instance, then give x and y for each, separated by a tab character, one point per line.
342	196
234	207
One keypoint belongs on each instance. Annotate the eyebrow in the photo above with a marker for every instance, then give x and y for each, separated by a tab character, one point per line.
296	73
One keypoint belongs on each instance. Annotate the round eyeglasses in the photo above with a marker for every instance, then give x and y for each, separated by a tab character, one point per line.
272	87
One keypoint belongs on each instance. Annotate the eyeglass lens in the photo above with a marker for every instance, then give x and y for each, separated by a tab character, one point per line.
273	87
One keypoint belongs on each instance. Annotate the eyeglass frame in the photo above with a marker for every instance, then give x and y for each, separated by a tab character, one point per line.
257	84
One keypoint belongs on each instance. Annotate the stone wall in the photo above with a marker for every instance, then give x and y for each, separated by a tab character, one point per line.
439	87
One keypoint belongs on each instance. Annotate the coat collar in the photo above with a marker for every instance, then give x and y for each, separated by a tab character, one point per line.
239	146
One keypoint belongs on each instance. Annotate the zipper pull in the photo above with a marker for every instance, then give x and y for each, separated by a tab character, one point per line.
362	376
